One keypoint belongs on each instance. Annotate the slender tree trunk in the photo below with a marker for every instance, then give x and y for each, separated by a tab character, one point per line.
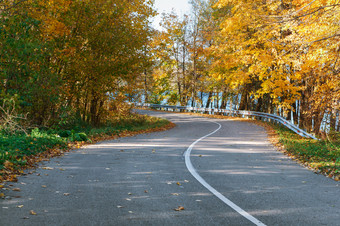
259	105
209	100
332	122
317	121
224	99
243	103
146	88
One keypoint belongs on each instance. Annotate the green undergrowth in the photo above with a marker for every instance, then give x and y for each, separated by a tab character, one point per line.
15	148
322	155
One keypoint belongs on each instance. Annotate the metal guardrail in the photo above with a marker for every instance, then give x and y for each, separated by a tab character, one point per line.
273	117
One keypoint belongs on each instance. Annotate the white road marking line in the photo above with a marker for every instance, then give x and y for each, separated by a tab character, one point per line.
193	172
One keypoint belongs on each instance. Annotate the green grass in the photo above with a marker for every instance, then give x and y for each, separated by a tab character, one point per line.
14	149
324	156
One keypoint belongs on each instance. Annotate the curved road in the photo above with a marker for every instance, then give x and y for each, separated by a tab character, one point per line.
142	180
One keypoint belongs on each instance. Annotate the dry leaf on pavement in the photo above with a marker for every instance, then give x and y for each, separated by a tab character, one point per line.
180	208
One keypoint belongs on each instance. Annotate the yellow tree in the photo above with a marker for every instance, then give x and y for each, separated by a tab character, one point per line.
284	51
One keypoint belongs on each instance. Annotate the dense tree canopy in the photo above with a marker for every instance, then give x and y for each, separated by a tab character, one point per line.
62	60
75	60
270	56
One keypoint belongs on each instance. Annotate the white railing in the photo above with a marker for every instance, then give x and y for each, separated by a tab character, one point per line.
273	117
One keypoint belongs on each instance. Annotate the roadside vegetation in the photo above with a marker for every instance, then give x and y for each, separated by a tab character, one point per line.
23	149
323	156
65	82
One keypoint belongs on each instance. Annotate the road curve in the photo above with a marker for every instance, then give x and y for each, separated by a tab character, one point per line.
142	180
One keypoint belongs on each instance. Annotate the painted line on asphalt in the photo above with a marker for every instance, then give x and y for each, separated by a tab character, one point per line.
193	172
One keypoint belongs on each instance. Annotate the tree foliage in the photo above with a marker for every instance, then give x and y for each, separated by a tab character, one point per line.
270	56
79	59
69	59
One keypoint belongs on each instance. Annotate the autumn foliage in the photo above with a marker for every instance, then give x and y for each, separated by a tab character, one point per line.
278	57
63	61
67	60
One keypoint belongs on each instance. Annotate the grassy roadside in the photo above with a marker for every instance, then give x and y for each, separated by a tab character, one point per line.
321	156
21	151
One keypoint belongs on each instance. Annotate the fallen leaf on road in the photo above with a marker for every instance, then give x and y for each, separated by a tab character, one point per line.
16	189
47	168
20	206
61	169
180	208
178	183
129	193
176	194
43	186
145	191
130	212
121	150
66	194
33	213
153	151
25	218
186	181
2	195
128	199
1	186
120	207
200	156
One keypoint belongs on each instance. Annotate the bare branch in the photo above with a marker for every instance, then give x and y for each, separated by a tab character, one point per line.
15	4
323	39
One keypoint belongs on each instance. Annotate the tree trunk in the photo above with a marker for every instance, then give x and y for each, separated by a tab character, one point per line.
224	99
259	105
209	100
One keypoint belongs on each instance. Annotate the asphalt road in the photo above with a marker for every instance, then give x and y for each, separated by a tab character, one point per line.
141	180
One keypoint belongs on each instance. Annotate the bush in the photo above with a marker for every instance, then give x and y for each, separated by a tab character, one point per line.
65	133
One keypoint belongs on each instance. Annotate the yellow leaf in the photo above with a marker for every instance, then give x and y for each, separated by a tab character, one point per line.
180	208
